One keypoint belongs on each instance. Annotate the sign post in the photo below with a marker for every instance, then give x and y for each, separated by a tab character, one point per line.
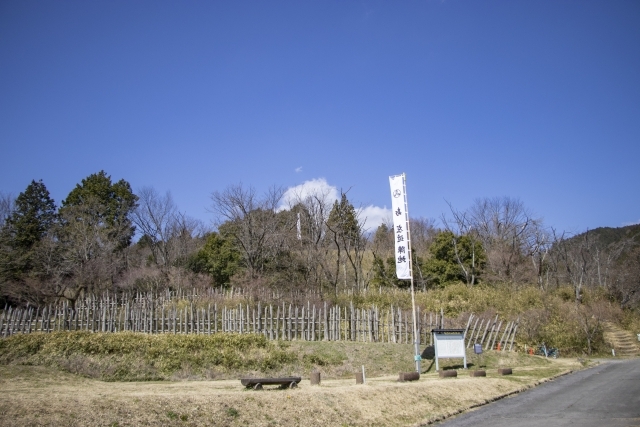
402	239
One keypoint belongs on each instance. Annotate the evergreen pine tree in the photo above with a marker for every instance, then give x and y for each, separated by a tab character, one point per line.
115	203
30	221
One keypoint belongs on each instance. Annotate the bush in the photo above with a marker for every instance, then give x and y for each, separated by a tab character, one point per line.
127	356
550	316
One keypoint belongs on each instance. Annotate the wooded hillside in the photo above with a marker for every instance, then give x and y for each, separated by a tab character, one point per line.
107	237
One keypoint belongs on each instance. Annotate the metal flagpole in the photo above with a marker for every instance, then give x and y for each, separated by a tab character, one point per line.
416	339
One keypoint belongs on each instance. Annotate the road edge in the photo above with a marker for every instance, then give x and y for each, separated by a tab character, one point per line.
499	397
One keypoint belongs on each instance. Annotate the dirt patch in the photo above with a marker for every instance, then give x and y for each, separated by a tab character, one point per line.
44	396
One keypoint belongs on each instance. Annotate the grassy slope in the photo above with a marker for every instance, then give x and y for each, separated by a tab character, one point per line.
41	395
40	388
127	356
47	395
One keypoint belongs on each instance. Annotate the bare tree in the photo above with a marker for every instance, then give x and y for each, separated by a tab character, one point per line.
557	256
355	246
539	245
504	226
155	217
423	231
625	283
168	232
331	266
346	230
250	220
310	242
183	234
462	224
605	259
590	317
574	261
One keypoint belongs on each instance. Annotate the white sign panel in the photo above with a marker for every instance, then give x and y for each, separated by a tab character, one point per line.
400	226
450	345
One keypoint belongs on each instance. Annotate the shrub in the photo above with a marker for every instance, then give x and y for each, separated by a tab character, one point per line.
127	356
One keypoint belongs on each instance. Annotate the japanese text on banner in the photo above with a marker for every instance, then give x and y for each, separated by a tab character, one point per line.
401	235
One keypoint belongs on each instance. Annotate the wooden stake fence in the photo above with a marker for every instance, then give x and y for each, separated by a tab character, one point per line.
488	342
307	322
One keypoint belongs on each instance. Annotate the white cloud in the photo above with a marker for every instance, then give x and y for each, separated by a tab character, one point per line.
298	169
373	216
315	187
625	224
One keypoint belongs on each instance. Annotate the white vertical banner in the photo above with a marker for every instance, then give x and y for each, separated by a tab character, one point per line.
400	226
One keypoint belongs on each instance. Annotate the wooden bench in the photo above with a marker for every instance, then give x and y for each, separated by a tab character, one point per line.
257	383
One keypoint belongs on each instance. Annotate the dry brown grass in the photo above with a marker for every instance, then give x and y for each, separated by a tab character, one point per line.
41	396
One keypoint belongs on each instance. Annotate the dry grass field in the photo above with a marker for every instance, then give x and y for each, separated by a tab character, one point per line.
45	396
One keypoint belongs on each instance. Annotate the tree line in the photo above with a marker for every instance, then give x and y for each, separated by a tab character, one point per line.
103	236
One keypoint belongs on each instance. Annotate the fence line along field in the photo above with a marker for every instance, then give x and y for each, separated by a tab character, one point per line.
187	314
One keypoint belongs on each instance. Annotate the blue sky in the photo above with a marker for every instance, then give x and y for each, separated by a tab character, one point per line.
536	100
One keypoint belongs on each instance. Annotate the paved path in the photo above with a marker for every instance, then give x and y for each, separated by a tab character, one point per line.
607	395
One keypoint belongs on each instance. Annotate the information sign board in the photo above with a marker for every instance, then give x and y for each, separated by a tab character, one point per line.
449	343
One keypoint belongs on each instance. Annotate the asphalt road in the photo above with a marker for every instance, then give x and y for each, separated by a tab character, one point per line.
606	395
